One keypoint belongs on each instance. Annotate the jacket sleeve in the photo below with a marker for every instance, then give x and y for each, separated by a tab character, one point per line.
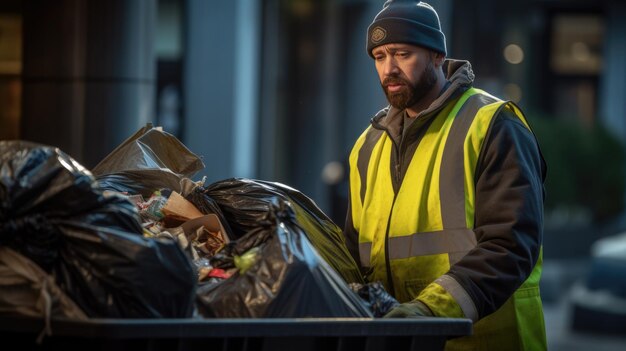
508	225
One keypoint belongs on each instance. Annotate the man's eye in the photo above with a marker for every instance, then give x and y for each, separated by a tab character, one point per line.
402	54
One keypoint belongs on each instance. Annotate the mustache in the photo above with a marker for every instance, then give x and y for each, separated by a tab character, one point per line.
394	80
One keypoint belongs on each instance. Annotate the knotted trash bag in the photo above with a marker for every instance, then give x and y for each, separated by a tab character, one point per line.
245	202
53	212
279	275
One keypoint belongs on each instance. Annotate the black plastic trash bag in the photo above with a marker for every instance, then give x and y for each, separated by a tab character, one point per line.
26	290
245	202
376	297
284	277
139	181
53	212
149	160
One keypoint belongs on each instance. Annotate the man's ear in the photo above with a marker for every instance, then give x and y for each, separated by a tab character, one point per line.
438	59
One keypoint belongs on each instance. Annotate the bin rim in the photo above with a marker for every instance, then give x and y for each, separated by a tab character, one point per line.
241	327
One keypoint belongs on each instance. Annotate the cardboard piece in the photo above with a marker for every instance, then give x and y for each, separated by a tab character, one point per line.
207	233
179	208
209	221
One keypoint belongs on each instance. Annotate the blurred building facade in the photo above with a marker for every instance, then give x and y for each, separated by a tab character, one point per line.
280	89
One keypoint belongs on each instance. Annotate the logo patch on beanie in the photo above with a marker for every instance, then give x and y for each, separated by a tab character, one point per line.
378	34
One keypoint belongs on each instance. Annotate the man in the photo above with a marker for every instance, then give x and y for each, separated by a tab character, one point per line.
446	190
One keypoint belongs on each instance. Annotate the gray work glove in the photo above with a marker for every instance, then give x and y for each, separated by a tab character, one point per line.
413	309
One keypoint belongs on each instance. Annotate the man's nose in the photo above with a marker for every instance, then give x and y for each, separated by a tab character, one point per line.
390	67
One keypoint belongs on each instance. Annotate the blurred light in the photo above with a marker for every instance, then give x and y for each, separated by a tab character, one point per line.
513	92
580	51
332	173
513	54
302	8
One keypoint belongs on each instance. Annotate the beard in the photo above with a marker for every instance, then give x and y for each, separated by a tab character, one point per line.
410	94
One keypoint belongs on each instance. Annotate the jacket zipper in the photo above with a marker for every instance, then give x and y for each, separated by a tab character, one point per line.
396	188
392	289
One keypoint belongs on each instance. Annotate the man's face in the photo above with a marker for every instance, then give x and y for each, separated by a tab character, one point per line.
406	73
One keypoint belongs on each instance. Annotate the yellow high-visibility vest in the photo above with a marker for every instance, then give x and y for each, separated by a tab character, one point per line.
410	238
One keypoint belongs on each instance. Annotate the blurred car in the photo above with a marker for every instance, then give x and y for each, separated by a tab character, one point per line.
599	299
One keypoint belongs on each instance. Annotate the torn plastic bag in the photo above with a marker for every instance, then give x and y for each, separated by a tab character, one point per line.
284	276
151	148
52	211
245	202
149	160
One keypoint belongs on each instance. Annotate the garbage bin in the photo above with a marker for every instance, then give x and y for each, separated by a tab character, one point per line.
79	217
303	334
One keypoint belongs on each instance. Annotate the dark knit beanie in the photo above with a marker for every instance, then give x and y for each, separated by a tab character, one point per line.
409	22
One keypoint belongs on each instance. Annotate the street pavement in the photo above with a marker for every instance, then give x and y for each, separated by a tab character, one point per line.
558	278
561	337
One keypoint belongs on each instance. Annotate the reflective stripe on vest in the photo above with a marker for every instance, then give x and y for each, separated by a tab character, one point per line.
422	244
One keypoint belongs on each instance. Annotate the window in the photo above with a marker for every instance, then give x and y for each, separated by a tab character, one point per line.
577	44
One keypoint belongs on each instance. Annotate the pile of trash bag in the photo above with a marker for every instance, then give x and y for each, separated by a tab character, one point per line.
136	237
53	213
